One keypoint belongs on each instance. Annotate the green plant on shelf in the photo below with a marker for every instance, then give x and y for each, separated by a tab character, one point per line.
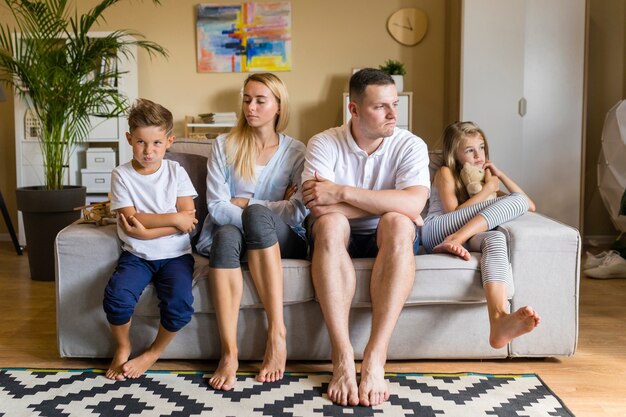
393	67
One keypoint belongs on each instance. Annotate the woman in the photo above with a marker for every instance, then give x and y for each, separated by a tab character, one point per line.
255	214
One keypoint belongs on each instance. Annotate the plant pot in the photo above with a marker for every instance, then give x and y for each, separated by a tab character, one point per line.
45	213
399	80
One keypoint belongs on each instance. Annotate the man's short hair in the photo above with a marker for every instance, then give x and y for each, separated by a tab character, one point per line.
364	77
146	113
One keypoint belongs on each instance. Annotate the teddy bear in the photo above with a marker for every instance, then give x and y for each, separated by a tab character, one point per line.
474	178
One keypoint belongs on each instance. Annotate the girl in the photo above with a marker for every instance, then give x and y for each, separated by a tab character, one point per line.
455	219
255	214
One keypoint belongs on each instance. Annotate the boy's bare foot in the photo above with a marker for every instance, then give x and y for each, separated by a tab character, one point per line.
453	248
115	370
136	367
373	389
509	326
225	375
273	367
342	388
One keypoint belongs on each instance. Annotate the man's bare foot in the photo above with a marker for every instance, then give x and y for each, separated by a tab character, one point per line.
273	367
342	388
115	371
453	248
373	389
226	373
509	326
136	367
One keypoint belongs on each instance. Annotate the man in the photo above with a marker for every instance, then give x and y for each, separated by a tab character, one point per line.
366	184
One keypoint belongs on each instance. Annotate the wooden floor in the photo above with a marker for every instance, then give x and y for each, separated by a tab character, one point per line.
591	383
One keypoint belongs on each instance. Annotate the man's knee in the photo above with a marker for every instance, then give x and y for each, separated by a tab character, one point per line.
395	227
331	227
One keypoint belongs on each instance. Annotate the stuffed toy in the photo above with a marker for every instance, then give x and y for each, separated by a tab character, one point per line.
474	178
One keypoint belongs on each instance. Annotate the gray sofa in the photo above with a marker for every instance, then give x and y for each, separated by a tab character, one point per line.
445	315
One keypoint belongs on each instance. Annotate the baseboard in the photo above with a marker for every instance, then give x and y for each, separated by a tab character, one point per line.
599	240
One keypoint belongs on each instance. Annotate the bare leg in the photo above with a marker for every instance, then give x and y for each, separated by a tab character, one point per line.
136	367
334	280
504	326
226	288
392	279
453	244
267	272
121	335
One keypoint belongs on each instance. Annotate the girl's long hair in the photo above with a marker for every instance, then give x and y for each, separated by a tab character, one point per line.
453	136
240	146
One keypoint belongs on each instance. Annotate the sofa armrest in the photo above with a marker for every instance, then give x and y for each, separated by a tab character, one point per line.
545	259
85	256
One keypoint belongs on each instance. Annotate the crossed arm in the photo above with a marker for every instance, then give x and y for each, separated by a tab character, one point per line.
322	196
150	226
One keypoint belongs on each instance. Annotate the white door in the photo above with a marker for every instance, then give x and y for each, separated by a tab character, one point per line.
522	77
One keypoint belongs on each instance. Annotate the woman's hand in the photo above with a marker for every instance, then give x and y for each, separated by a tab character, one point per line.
240	202
290	191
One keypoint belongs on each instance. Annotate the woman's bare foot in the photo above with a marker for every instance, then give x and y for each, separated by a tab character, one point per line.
373	389
452	247
138	366
225	375
509	326
342	388
273	367
115	370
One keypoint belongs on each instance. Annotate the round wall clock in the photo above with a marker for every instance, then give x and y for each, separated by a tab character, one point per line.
408	26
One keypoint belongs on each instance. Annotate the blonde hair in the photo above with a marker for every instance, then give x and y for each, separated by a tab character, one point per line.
240	146
453	137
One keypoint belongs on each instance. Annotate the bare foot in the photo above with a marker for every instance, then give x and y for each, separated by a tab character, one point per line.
115	371
509	326
342	388
273	367
226	373
373	389
136	367
453	248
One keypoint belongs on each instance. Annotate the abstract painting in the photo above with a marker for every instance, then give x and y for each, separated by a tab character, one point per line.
244	37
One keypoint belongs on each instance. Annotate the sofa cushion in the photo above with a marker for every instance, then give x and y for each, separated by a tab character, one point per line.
439	279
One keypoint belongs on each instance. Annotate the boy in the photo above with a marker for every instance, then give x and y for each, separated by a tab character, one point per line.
154	200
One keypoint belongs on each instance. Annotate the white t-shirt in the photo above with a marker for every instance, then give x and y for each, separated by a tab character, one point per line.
400	161
245	188
155	193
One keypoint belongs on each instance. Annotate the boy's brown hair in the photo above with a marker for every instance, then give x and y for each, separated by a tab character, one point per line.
145	113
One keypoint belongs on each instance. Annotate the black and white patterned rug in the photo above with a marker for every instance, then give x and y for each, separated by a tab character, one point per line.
86	392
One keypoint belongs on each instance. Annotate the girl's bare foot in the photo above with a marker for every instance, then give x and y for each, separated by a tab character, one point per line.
273	367
453	248
342	388
509	326
138	366
115	370
225	375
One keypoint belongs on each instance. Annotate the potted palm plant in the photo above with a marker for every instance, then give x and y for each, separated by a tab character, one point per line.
65	76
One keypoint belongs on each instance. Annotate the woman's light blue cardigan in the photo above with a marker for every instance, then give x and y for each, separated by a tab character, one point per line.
284	169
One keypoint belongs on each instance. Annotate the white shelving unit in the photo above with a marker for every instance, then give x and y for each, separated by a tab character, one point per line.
405	109
106	132
195	129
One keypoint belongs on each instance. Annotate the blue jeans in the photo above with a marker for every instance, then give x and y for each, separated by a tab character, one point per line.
172	280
